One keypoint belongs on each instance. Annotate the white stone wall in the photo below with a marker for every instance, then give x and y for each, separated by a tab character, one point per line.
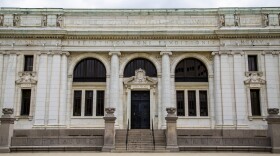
219	38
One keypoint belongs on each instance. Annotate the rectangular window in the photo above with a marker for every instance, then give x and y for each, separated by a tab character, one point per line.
203	103
25	101
89	103
28	63
252	63
77	103
255	102
192	103
180	103
100	103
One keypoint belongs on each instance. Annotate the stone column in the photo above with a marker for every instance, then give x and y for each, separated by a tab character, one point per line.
273	121
41	93
217	88
6	129
10	87
63	90
239	88
54	89
171	130
109	134
114	81
165	83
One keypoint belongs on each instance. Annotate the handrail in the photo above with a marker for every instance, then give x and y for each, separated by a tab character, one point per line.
153	135
127	129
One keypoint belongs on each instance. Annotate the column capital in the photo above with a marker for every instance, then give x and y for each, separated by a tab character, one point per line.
215	53
272	52
44	52
235	52
66	53
115	53
165	53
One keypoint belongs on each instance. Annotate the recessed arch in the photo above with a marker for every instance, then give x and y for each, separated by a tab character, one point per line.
191	70
149	57
89	70
142	63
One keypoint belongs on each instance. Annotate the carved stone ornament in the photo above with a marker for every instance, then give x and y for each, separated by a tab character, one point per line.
222	20
110	111
16	21
171	111
140	78
27	78
236	20
254	79
8	111
265	20
273	111
1	20
44	21
59	21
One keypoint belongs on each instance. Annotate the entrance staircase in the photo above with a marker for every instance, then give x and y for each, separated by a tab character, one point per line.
140	140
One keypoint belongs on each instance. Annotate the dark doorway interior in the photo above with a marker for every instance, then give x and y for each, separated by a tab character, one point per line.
140	110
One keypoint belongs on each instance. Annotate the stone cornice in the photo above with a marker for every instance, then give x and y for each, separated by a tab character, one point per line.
131	35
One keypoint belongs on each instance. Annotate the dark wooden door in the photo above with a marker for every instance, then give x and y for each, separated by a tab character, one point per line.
140	109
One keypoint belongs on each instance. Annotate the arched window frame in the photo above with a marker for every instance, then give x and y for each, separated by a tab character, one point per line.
147	65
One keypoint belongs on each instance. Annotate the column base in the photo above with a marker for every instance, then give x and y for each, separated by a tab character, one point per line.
5	150
275	150
172	148
107	148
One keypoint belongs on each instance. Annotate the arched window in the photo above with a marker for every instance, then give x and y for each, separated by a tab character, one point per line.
89	70
190	99
142	63
191	70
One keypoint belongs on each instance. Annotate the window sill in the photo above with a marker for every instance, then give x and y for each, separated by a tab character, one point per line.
30	118
87	117
257	118
193	117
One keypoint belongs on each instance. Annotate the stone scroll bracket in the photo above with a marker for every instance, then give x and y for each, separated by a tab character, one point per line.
273	121
6	129
109	132
171	130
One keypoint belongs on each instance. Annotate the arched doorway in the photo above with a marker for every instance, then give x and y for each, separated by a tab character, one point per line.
139	78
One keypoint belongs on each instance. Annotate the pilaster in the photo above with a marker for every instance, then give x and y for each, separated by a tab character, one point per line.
239	89
41	94
9	86
109	134
171	130
273	121
272	78
6	129
63	89
54	101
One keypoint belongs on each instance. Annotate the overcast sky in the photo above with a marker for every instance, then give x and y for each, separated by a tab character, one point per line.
138	3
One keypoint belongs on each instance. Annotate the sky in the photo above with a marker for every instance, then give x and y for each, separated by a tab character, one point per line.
138	3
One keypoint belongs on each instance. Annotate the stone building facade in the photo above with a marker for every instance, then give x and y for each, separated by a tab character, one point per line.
60	68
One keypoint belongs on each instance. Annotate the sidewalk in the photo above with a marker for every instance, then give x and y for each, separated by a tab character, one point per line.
138	154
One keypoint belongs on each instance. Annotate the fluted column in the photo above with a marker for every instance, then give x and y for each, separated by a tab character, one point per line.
54	98
41	93
63	89
9	93
165	84
114	81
